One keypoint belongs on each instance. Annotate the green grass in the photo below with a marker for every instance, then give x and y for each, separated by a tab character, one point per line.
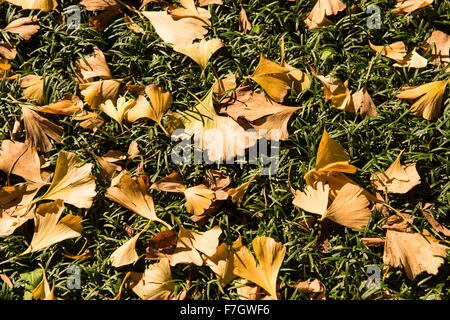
373	143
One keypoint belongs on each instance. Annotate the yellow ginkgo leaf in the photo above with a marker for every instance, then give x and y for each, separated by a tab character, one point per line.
395	51
133	195
190	243
412	60
68	105
273	78
33	86
44	5
322	8
190	10
160	101
20	159
198	199
440	47
126	253
178	31
331	156
222	264
413	252
270	255
431	97
397	178
118	111
200	51
48	230
72	181
313	199
349	208
95	93
42	290
237	194
406	6
155	283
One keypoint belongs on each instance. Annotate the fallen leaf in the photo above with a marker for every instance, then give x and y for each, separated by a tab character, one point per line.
171	183
44	5
397	178
407	6
118	111
270	255
313	199
160	101
23	27
8	52
396	51
244	24
97	92
200	51
399	223
68	105
237	194
190	10
412	60
132	194
89	120
93	65
174	31
372	242
255	110
72	181
430	103
126	253
48	230
190	243
42	290
248	291
436	225
321	9
8	282
203	3
109	9
331	157
198	199
440	43
413	252
133	26
362	102
272	78
163	240
222	264
20	159
155	283
33	86
39	129
315	288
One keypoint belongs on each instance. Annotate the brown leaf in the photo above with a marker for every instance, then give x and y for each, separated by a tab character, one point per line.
44	5
8	282
362	101
33	86
23	27
413	252
407	6
315	288
93	65
89	120
399	223
440	43
7	51
20	159
133	26
171	183
323	8
68	105
244	24
163	240
39	130
203	3
436	225
373	242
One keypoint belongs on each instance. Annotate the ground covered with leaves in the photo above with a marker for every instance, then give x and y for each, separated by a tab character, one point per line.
322	258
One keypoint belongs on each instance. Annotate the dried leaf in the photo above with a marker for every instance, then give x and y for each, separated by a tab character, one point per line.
33	86
244	24
222	264
171	183
203	3
323	8
373	242
198	199
190	10
89	120
200	51
399	223
126	253
436	225
155	283
93	65
133	26
430	103
8	282
362	101
72	181
413	252
440	43
349	208
39	130
118	111
174	31
191	242
68	105
270	255
397	178
395	51
8	52
315	288
160	101
133	195
412	60
237	194
44	5
96	93
48	230
272	78
20	159
313	199
23	27
407	6
163	240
